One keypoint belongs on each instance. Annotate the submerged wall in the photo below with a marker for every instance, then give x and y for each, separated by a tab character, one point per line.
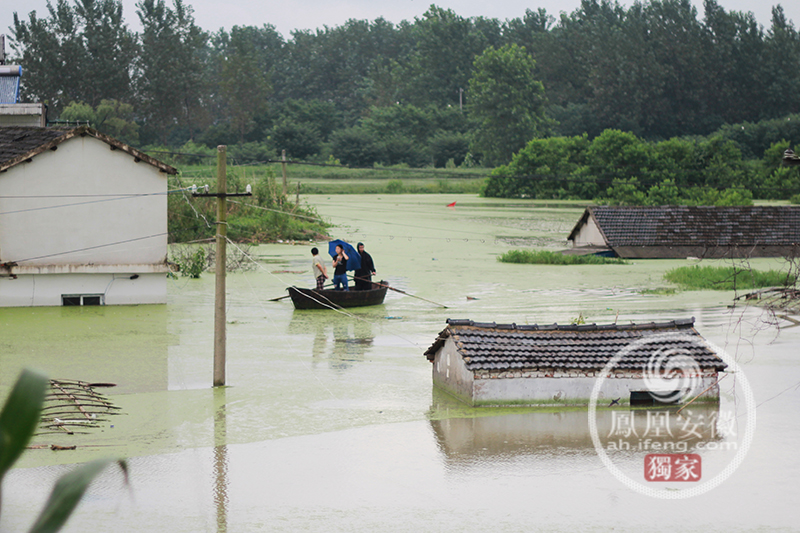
589	235
566	387
706	252
451	374
115	288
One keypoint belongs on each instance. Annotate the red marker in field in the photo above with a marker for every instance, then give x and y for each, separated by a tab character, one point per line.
451	205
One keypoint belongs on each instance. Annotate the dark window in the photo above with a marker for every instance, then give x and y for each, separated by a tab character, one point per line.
645	398
91	300
82	299
70	300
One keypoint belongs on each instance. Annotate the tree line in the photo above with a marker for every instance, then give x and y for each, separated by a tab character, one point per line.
619	168
441	89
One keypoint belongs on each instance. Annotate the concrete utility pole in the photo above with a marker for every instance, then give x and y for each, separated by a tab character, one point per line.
222	237
283	169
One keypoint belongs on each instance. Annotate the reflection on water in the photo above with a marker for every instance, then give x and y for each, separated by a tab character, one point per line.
221	459
339	340
543	436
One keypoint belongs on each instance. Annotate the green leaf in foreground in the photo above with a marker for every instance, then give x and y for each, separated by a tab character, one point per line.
727	278
20	416
544	257
68	492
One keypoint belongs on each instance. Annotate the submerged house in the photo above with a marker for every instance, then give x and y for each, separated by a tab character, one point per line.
677	232
496	364
83	219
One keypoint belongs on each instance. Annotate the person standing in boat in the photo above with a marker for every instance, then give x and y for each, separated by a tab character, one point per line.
340	268
320	272
363	275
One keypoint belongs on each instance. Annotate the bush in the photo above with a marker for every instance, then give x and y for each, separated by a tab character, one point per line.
394	187
543	257
191	263
449	146
398	150
250	152
299	140
727	278
355	147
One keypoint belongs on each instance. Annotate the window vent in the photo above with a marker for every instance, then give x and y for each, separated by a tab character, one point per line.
82	299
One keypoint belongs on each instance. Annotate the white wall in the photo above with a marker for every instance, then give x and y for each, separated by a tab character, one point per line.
568	390
450	373
589	235
117	289
83	166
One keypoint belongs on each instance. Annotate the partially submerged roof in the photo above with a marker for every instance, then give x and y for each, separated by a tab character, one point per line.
695	225
498	347
19	144
790	158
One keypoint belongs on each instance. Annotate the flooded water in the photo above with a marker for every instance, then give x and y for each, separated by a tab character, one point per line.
329	421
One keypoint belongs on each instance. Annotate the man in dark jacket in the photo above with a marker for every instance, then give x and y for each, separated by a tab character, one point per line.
363	275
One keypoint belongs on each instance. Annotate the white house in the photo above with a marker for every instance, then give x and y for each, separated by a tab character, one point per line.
510	364
680	231
83	219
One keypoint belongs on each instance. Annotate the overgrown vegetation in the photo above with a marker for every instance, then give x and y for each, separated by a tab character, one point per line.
726	278
193	259
269	215
619	168
544	257
191	263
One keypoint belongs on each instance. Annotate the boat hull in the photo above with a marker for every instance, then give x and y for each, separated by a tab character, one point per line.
332	299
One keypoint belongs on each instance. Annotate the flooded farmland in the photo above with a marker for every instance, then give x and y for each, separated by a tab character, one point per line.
330	422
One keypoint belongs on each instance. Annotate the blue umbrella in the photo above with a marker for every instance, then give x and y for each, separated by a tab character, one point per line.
353	258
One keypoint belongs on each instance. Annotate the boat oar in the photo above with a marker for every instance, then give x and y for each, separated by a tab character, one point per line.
279	298
400	291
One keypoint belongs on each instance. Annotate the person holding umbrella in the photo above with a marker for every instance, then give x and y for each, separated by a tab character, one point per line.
340	268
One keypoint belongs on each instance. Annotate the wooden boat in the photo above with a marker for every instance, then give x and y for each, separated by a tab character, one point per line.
329	298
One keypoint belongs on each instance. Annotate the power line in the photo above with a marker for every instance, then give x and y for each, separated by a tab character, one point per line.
89	248
106	198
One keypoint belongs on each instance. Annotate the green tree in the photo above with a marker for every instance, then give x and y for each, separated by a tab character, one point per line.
111	117
664	193
110	50
355	147
618	155
545	168
244	85
506	102
446	146
300	140
624	192
445	47
171	82
83	53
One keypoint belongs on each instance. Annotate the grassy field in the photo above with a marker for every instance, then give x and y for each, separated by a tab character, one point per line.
543	257
727	278
317	179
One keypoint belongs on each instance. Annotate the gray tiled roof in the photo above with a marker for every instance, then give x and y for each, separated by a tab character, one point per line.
21	143
697	225
499	347
20	140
